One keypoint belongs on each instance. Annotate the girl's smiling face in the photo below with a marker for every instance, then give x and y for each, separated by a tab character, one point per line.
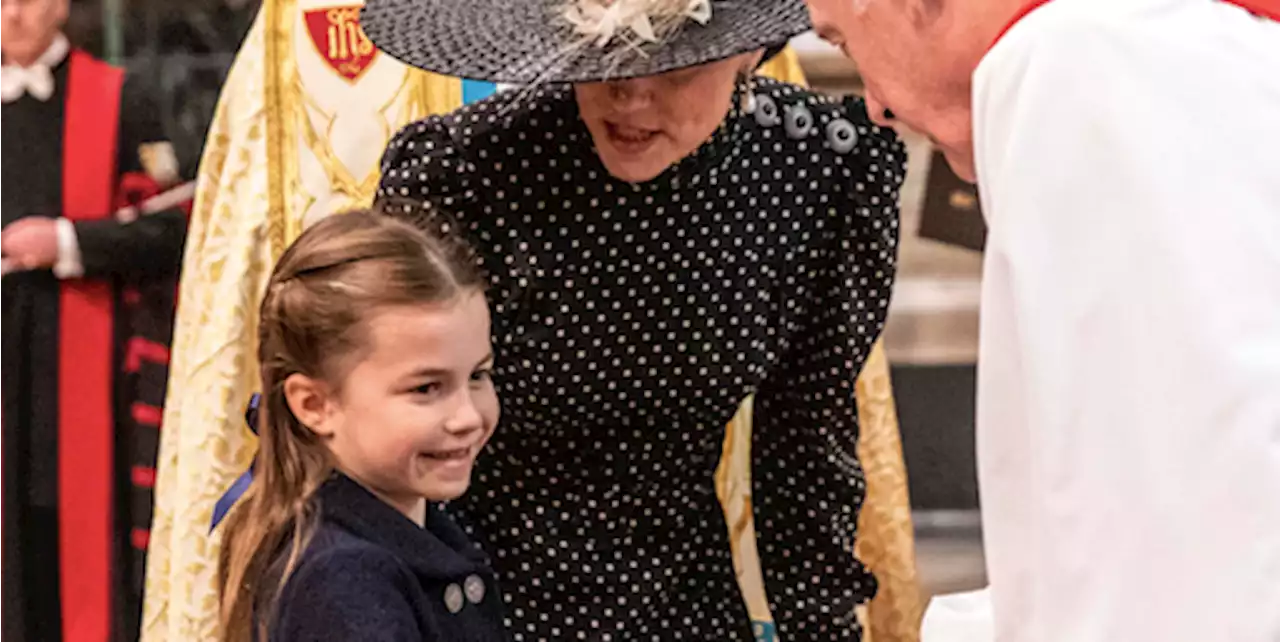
415	402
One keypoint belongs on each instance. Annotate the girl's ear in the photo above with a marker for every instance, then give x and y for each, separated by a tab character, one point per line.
310	400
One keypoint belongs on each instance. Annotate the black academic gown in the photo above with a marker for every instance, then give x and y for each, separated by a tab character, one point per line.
140	261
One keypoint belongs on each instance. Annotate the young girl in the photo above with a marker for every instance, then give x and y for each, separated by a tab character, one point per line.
375	353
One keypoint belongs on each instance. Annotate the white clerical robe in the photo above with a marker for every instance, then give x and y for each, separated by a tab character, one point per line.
1128	156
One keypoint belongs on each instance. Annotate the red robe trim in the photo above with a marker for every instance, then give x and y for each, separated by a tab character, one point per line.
86	433
1269	9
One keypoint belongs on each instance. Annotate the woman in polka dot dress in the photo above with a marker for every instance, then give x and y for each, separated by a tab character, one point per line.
661	245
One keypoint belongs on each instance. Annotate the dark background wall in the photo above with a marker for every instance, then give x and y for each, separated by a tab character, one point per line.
180	51
936	415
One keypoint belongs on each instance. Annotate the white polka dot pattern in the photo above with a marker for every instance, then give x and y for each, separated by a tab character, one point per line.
630	320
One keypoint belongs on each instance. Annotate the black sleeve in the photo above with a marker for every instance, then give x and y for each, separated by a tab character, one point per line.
427	180
150	246
807	482
425	175
139	125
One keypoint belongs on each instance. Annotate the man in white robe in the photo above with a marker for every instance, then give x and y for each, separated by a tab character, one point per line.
1128	159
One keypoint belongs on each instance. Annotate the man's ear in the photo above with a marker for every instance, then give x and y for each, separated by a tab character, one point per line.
311	401
61	12
925	12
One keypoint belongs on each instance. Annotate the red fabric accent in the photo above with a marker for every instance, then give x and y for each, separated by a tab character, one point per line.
146	414
140	537
85	426
1017	17
1269	9
134	188
140	350
143	476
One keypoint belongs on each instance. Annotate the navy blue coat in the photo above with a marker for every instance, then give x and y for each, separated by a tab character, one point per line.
371	575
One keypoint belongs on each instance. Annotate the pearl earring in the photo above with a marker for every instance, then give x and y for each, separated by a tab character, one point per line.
748	95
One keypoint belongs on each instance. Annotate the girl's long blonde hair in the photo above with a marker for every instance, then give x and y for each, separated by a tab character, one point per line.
326	283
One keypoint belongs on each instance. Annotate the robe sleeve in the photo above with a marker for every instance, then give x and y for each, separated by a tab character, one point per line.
1130	346
151	245
807	483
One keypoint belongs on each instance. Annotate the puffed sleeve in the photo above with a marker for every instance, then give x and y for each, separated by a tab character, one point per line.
422	165
425	177
807	483
429	180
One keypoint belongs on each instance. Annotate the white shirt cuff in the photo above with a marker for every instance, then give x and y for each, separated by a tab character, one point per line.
68	265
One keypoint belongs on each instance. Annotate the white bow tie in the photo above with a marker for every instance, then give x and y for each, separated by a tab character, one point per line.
16	81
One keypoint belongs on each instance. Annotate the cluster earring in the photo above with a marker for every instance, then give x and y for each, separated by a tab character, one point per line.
747	92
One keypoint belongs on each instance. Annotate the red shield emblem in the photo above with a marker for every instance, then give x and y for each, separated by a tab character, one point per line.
338	38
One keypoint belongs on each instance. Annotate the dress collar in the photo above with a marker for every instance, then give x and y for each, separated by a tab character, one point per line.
438	550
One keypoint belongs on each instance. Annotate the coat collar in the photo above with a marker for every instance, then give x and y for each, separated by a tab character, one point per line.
440	550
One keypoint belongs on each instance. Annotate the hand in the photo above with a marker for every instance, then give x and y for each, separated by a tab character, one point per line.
30	243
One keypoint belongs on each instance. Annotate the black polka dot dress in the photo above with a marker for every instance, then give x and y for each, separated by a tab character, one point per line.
630	320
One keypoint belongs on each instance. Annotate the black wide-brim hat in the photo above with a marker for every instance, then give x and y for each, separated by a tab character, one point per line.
529	41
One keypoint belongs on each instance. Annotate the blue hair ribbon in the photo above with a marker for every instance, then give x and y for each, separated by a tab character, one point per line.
241	484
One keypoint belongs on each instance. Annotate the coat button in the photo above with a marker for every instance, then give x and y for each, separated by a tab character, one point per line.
798	122
766	112
453	598
842	135
474	588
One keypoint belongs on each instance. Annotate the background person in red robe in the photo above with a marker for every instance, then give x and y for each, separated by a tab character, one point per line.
88	303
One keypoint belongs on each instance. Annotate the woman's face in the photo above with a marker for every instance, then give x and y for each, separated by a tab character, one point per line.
641	126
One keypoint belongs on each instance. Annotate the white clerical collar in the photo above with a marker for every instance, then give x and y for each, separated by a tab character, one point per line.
37	80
